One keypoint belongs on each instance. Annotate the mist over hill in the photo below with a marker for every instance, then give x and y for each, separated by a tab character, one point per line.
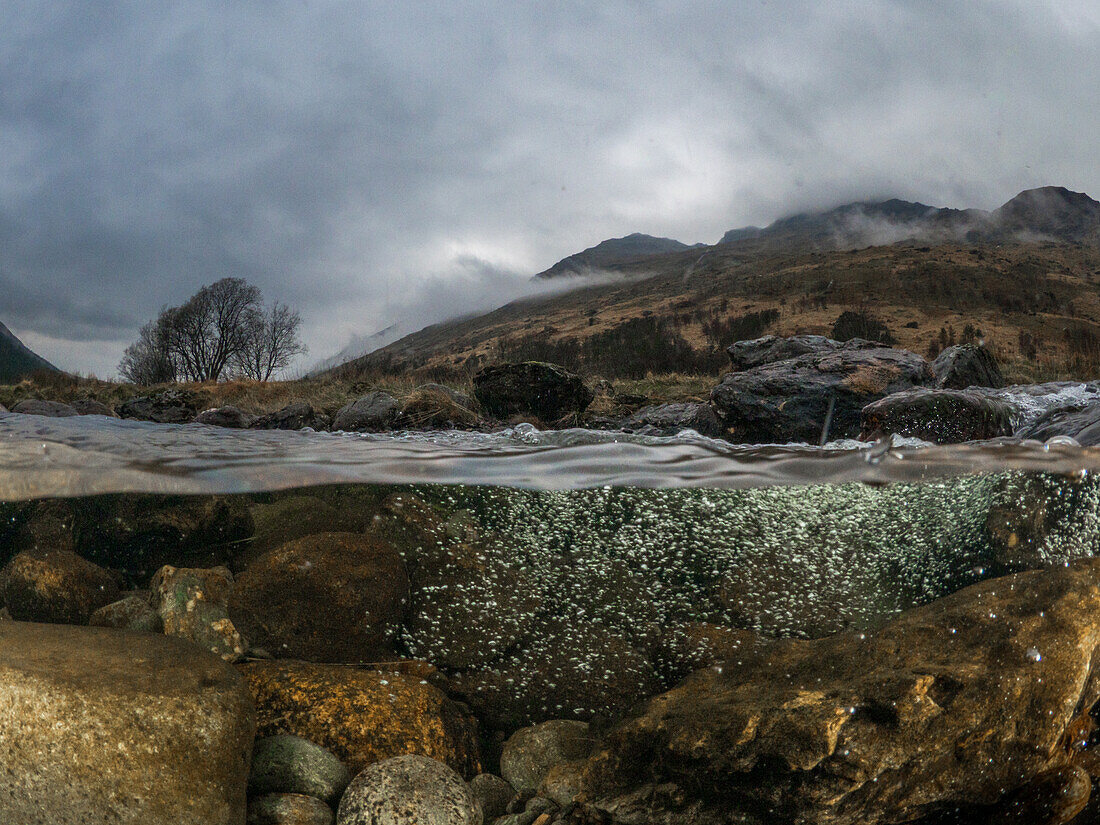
16	360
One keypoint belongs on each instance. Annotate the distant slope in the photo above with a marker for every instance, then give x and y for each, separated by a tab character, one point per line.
611	252
359	346
16	360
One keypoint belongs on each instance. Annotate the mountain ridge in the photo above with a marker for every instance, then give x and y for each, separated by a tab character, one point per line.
17	360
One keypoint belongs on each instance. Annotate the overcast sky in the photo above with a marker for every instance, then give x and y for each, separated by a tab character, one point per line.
369	162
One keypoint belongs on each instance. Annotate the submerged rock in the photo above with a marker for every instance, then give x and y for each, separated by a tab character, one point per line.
55	586
374	412
671	419
530	753
288	809
967	365
290	764
140	728
409	789
289	518
955	705
50	409
790	400
362	716
534	388
492	793
1081	423
168	407
330	597
940	416
294	416
192	605
131	613
228	416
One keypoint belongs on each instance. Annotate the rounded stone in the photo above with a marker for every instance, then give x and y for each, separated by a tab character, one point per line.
50	409
530	753
288	809
55	586
409	789
133	613
287	764
493	793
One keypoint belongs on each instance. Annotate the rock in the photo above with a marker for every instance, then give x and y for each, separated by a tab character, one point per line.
139	534
55	586
409	789
530	753
689	646
51	409
289	518
228	416
492	793
288	809
330	597
131	613
561	671
940	416
745	355
192	605
955	705
1081	423
362	716
1055	797
967	365
294	416
789	400
89	406
97	722
534	388
290	764
3	409
374	412
467	608
671	419
564	782
168	407
42	526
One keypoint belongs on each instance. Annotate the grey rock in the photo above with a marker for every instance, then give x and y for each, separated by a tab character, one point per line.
374	412
228	416
940	416
967	365
89	406
139	728
409	789
671	419
745	355
1081	423
193	605
50	409
3	409
295	416
132	613
789	400
540	805
547	391
493	793
168	407
288	809
530	753
287	764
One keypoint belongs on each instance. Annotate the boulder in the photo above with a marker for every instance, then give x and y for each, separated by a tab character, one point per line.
131	613
290	764
139	534
97	722
955	706
192	605
228	416
374	412
492	793
50	409
40	526
940	416
55	586
671	419
1081	423
745	355
89	406
530	753
546	391
288	809
362	716
967	365
330	597
409	789
790	400
168	407
288	518
294	416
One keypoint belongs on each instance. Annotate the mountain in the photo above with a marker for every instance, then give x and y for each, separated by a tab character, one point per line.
1051	212
612	252
16	360
359	346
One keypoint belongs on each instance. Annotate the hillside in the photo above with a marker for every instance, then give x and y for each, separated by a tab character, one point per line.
16	360
613	252
1025	278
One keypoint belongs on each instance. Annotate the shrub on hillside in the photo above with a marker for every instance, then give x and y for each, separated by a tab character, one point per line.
861	323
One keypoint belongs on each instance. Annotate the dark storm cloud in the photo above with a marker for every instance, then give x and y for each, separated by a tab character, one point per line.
352	159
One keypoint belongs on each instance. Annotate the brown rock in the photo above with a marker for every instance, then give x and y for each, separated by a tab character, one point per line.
104	725
362	716
55	586
289	518
192	605
288	809
690	646
330	597
953	705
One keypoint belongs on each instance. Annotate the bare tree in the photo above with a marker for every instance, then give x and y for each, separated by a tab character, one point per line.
147	360
208	331
270	343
